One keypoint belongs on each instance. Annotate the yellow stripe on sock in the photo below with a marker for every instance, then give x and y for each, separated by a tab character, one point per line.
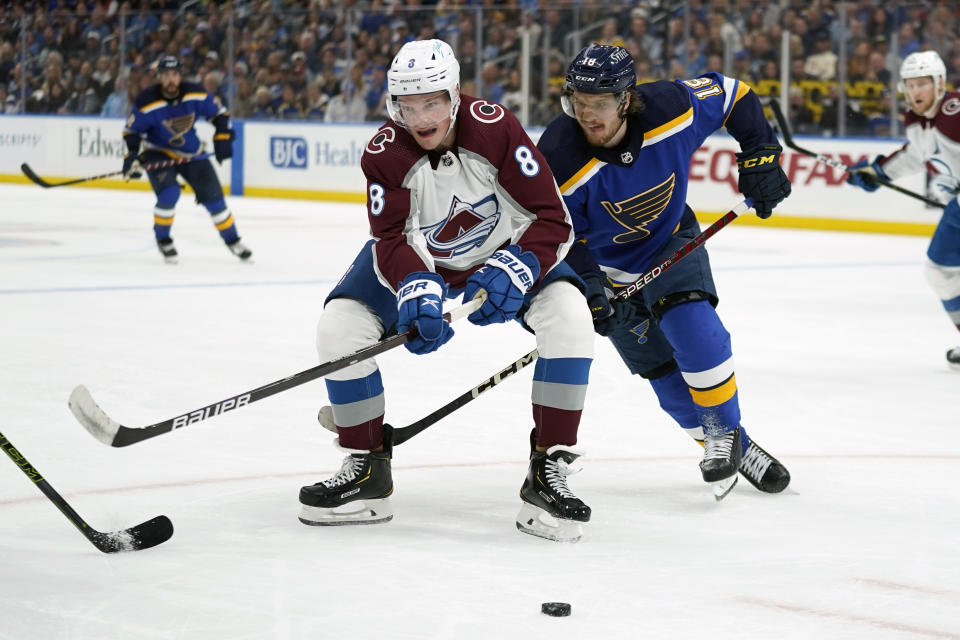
715	396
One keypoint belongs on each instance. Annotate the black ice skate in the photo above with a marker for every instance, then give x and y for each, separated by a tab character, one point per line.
357	494
168	250
240	250
721	459
763	471
953	358
549	509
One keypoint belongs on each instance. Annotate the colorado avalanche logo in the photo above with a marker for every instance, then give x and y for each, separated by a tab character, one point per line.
466	227
951	106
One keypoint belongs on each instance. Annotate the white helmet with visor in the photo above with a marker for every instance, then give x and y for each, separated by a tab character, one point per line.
423	66
920	65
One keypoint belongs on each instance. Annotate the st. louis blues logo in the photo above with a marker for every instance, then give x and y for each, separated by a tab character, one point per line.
466	227
636	212
179	126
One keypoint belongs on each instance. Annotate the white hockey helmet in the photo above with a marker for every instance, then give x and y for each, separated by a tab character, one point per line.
423	66
922	64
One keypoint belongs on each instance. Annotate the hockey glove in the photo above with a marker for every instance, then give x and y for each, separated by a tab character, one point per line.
223	145
131	167
864	174
608	315
420	305
762	178
507	276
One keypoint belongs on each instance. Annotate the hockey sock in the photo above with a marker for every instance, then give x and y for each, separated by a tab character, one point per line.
358	407
223	220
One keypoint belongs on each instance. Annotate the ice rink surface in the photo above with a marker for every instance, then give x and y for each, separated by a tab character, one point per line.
839	346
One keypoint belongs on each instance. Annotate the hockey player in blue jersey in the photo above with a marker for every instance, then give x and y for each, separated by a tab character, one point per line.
163	119
621	156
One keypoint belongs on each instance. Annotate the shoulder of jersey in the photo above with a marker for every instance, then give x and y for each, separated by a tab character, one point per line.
192	89
390	153
485	127
663	101
148	96
564	147
949	120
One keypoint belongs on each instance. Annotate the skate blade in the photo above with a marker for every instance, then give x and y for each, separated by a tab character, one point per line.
171	260
535	521
723	487
357	512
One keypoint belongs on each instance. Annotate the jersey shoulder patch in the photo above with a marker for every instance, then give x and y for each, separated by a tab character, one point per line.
487	128
390	154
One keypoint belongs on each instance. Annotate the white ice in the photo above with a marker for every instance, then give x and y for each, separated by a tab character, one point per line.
839	346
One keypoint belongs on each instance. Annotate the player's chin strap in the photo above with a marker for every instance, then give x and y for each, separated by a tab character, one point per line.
827	160
402	434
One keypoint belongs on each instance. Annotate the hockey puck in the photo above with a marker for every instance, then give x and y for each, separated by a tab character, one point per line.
555	609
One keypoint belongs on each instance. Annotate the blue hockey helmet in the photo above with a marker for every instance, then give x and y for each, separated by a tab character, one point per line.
168	63
598	68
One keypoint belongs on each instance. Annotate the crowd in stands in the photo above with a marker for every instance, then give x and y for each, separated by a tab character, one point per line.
327	59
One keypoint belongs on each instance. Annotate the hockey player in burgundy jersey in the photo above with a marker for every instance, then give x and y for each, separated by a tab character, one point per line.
621	155
932	125
459	200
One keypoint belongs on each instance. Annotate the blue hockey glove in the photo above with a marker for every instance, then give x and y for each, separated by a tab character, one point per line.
420	304
223	145
762	178
608	315
131	167
507	276
864	174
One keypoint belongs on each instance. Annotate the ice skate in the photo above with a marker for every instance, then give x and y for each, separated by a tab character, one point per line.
763	471
721	459
953	358
168	250
357	494
550	510
240	250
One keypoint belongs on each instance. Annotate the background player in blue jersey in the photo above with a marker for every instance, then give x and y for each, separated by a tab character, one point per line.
163	119
932	125
621	156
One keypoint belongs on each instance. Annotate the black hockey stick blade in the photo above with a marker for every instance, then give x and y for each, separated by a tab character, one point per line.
827	160
32	175
142	536
108	431
402	434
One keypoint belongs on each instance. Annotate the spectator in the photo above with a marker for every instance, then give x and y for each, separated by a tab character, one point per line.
822	63
82	100
263	104
348	106
117	104
315	101
376	93
289	109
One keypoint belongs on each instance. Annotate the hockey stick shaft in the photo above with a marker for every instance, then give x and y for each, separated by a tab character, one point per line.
827	160
108	431
683	251
142	536
402	434
32	175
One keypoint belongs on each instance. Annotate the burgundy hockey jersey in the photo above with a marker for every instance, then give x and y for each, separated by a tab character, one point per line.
449	212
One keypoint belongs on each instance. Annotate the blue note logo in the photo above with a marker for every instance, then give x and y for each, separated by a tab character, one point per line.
288	153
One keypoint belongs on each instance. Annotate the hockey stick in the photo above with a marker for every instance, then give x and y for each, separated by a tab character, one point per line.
143	536
107	430
827	160
402	434
30	173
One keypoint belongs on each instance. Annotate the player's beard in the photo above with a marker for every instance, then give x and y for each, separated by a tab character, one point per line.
602	138
168	92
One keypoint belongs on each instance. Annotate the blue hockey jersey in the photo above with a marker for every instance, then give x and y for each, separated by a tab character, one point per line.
627	201
168	124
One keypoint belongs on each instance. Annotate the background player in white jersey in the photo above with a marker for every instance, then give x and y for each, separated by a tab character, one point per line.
458	200
163	119
932	124
621	155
